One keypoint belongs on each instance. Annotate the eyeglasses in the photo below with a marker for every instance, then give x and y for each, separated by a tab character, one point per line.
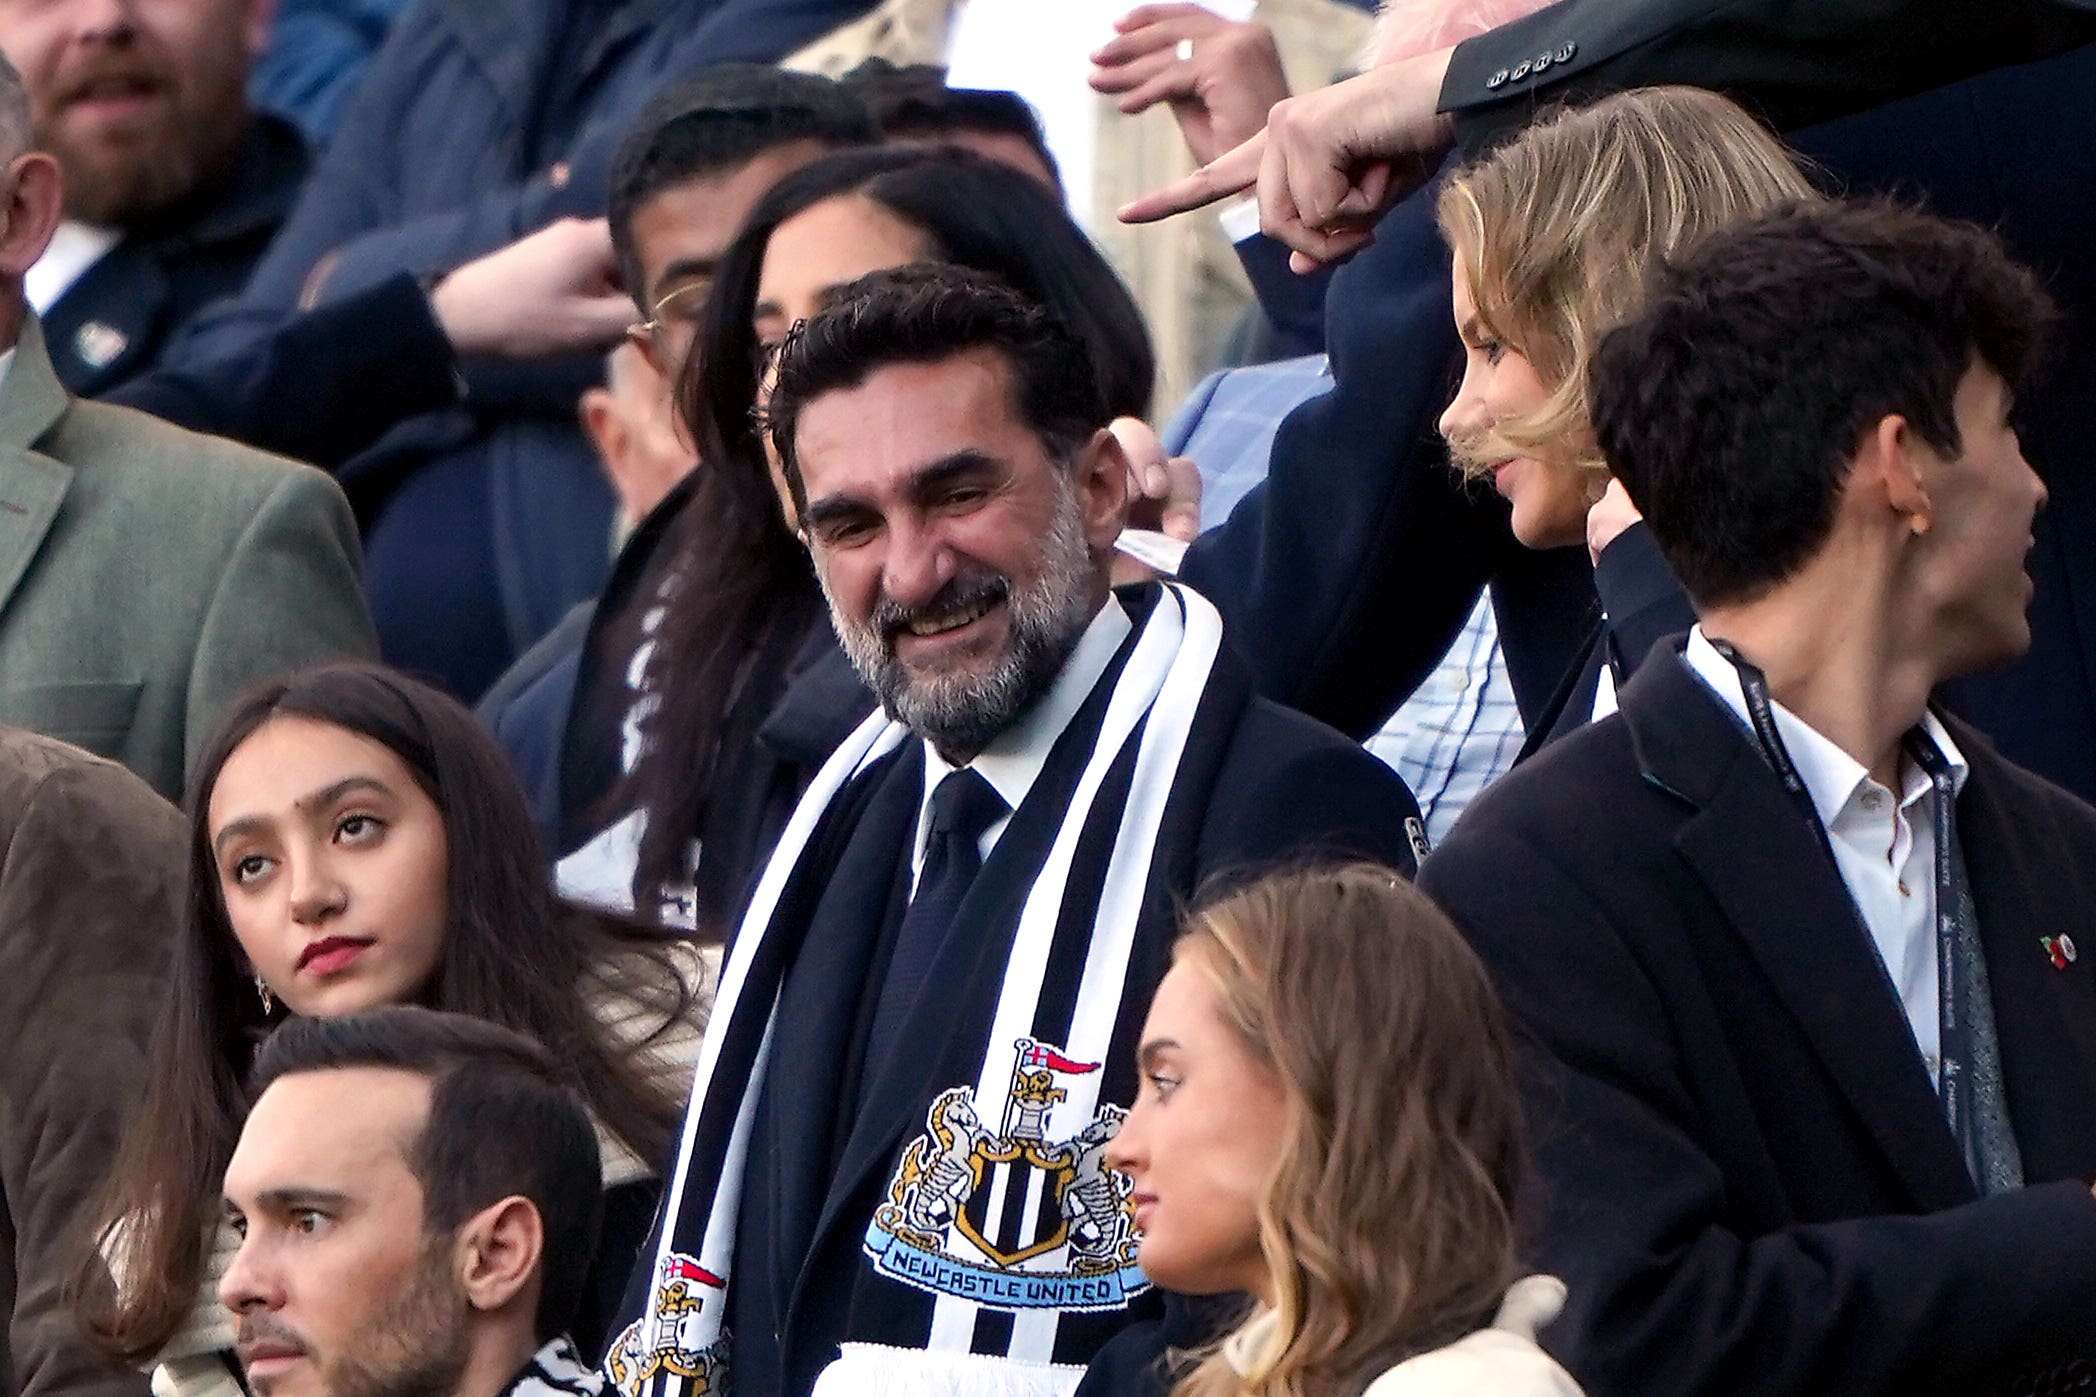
677	313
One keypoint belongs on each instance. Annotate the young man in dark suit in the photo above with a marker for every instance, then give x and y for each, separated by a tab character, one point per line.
1815	1043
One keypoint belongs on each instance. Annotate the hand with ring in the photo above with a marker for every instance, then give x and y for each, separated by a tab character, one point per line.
1220	76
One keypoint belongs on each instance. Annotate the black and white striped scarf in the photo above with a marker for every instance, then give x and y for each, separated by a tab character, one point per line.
556	1371
996	1203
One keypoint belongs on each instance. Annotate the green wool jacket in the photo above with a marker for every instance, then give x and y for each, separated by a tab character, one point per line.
148	574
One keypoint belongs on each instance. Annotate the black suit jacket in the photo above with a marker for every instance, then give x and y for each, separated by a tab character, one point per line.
1796	61
112	323
1745	1175
1286	789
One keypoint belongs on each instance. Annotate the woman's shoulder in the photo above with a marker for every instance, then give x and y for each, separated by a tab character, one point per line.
1504	1359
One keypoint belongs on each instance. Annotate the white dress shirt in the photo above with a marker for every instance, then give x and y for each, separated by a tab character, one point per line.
1605	690
1884	848
74	248
1013	761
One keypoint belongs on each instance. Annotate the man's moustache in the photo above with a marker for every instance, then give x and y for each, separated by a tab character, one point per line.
891	618
257	1329
83	78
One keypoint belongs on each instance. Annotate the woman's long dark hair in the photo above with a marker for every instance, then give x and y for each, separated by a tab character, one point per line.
513	954
739	580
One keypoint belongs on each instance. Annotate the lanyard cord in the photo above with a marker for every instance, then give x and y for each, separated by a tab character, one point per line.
1953	993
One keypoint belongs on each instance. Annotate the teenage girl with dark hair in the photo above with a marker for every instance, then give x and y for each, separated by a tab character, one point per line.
357	840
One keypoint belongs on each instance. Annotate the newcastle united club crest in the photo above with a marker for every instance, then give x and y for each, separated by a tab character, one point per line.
671	1338
1024	1215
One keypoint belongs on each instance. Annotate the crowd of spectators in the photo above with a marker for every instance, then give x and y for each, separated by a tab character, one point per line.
674	720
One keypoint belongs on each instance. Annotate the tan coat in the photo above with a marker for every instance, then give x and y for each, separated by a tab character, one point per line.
91	883
148	574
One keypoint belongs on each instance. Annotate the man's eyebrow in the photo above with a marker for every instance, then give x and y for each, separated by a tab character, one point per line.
934	476
282	1200
927	480
834	509
685	269
318	800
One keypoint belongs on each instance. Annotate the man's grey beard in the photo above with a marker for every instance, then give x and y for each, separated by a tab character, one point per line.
417	1346
960	714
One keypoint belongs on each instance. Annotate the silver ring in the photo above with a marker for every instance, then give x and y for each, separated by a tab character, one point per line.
1185	50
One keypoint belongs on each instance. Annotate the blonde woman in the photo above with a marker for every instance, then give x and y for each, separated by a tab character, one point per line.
1551	236
1329	1123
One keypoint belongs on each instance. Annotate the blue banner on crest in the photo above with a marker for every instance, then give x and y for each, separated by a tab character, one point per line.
1015	1291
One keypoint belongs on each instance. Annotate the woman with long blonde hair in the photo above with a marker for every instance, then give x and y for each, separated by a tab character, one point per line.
1552	235
1330	1123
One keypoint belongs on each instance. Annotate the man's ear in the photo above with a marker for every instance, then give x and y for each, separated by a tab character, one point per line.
1100	477
35	195
498	1253
1894	459
599	412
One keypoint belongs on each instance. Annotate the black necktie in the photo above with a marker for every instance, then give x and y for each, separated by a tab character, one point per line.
963	806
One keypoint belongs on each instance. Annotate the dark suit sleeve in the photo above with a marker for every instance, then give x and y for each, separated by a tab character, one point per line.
1292	790
1797	61
326	385
1346	573
89	892
737	31
1641	598
1294	305
1664	1297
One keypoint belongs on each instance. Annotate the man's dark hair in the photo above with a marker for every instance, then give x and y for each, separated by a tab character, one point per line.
1732	406
912	101
503	1121
921	314
722	117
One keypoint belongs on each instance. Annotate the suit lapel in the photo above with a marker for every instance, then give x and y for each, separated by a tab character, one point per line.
1764	866
2042	1016
817	1020
1574	696
32	485
103	325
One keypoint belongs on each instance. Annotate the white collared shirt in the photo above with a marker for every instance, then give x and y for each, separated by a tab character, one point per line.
73	250
1013	760
1885	849
1605	691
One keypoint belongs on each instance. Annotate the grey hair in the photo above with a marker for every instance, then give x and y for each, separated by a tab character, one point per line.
14	111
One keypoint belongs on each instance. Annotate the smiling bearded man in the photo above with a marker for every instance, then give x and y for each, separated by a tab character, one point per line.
956	710
950	951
